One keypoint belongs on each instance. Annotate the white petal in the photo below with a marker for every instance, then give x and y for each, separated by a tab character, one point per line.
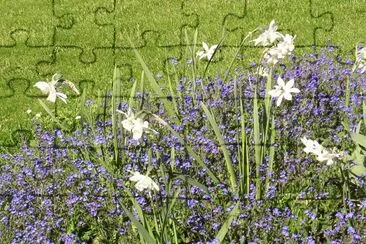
62	96
274	92
294	90
52	96
279	100
287	96
136	177
280	82
205	46
137	133
213	48
127	124
289	84
43	86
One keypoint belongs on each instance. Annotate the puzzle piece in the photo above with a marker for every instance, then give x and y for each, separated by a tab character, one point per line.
20	61
35	17
13	114
131	20
211	29
241	17
344	12
98	72
153	55
85	33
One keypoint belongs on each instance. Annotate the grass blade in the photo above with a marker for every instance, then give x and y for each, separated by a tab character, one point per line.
220	138
143	232
116	96
47	109
156	88
225	227
257	143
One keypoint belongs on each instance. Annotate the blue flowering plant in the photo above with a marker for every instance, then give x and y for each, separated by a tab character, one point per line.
273	152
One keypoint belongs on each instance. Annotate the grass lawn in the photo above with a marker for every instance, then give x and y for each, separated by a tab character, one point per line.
84	40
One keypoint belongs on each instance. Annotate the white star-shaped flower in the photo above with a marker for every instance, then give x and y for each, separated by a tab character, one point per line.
283	90
322	154
143	182
135	125
269	36
207	52
48	88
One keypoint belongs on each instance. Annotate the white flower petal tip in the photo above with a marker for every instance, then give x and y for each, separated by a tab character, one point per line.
144	182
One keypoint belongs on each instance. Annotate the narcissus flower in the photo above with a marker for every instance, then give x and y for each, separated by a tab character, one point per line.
269	36
207	51
283	90
135	125
281	50
322	154
48	88
143	182
311	146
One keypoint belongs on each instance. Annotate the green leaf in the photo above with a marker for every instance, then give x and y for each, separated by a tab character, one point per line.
116	96
156	88
220	138
46	108
359	139
359	169
193	182
143	232
225	227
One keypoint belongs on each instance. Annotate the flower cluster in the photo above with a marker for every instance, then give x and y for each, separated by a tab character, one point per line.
283	48
322	154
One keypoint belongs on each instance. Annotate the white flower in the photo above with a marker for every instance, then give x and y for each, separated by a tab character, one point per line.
78	117
283	90
311	146
135	125
283	49
327	156
269	36
207	52
360	59
48	88
143	182
322	154
29	111
38	115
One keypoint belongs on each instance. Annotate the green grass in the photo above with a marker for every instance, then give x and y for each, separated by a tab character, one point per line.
35	43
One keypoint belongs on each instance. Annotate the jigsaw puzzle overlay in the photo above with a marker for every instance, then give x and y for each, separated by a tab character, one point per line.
85	40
